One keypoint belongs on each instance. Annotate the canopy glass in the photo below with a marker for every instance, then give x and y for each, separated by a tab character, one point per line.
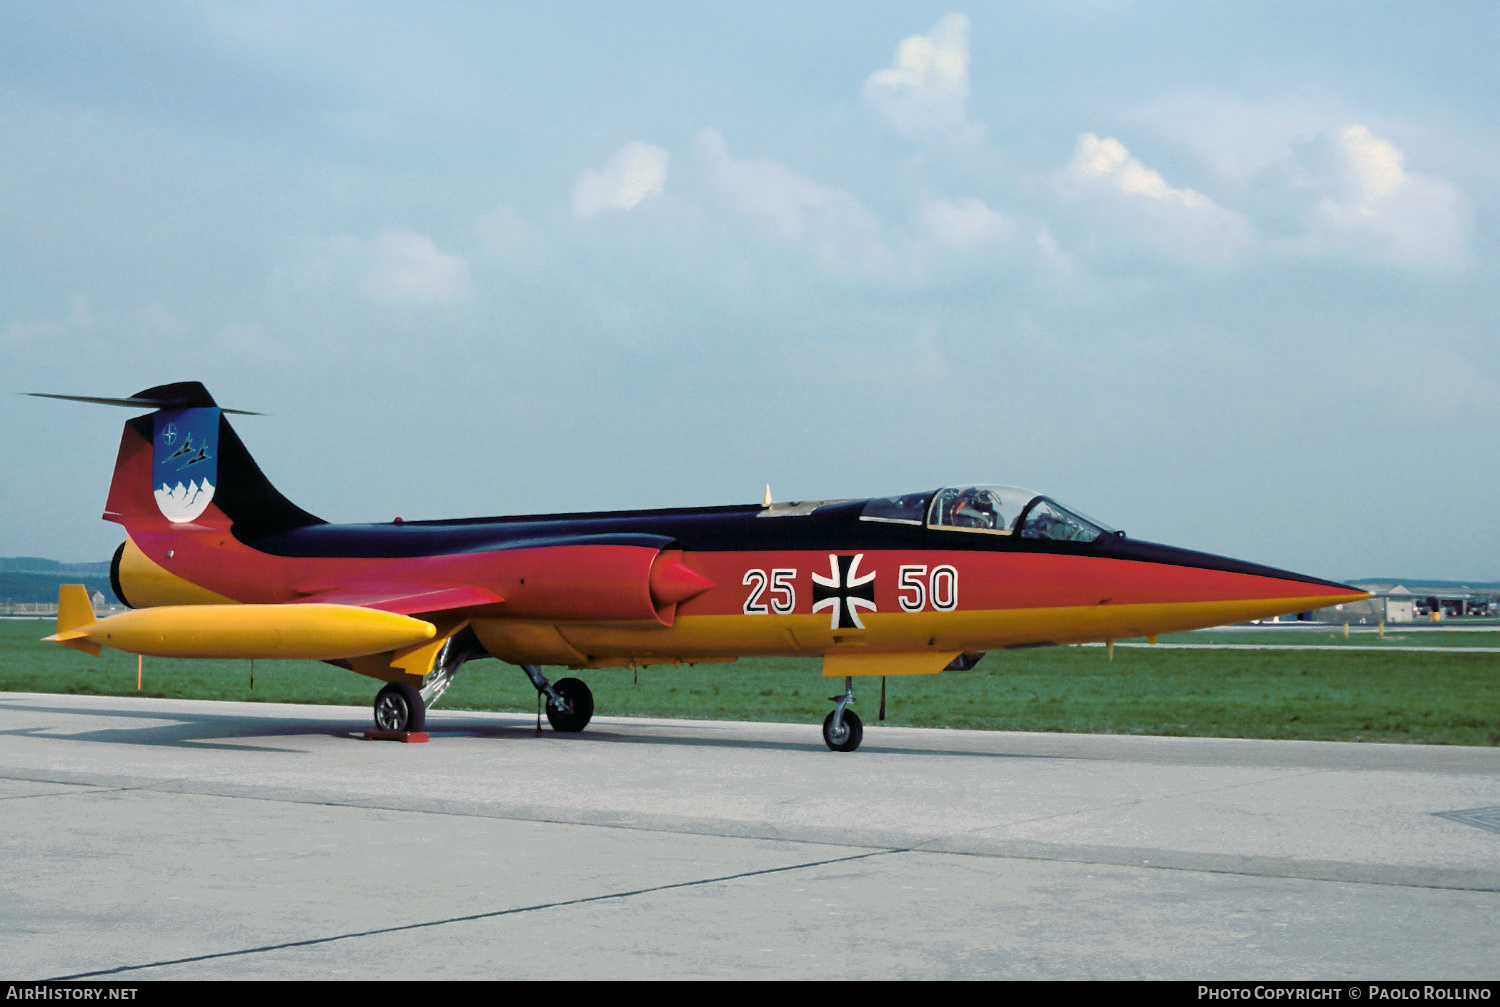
999	510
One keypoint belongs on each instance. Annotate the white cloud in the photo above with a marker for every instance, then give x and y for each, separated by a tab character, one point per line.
251	342
1375	165
903	364
794	209
1333	185
79	319
942	237
923	93
1236	137
636	172
1135	206
1373	206
398	268
156	323
150	324
407	268
506	235
1106	163
18	334
962	223
946	239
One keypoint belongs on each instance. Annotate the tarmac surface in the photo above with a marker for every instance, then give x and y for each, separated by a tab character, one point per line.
158	839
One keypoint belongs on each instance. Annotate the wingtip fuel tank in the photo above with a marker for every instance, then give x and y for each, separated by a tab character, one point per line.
312	632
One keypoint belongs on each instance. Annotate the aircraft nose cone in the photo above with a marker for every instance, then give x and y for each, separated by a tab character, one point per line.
1265	578
1184	589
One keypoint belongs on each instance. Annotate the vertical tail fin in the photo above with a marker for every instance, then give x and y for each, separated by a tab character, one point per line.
74	613
184	463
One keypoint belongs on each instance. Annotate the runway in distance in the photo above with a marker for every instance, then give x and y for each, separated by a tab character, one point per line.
216	563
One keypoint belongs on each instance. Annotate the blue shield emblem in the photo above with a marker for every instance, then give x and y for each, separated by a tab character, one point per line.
185	461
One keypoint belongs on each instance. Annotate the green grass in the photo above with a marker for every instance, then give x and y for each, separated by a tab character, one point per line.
1431	698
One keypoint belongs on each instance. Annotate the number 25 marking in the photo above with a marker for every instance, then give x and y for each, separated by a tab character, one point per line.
782	595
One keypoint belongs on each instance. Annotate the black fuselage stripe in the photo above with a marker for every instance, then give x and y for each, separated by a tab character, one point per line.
834	528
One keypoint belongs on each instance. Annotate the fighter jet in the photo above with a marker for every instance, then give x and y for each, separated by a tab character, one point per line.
911	584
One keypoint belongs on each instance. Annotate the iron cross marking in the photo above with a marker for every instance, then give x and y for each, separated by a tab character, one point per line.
844	591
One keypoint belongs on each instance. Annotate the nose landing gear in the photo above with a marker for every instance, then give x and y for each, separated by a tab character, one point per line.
842	730
579	709
570	703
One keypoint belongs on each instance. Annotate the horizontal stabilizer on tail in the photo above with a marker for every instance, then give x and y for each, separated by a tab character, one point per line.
182	395
183	457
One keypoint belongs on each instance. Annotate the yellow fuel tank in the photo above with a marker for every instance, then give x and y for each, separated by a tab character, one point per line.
301	632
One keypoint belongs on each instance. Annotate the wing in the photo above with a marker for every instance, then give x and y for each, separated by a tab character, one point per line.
405	599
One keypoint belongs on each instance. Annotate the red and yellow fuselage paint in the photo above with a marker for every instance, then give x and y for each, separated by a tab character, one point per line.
937	603
592	603
668	586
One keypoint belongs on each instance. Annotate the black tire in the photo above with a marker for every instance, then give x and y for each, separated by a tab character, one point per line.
848	740
579	698
399	707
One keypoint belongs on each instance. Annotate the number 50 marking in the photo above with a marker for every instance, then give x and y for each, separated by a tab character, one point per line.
915	588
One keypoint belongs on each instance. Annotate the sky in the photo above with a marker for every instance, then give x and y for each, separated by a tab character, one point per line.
1221	275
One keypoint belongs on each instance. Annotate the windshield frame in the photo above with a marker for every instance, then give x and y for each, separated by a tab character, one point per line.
1014	499
924	496
1037	517
1101	529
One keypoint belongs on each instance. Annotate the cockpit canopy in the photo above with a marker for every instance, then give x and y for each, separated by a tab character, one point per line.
1000	510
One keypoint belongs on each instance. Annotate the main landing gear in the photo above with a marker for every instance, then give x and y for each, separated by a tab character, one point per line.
400	707
570	704
842	730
